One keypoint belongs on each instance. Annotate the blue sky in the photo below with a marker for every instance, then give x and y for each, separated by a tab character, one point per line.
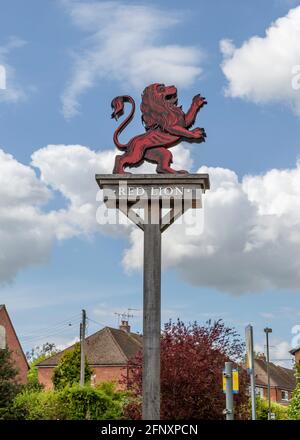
65	61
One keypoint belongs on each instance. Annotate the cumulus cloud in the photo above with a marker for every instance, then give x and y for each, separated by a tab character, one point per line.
10	89
279	352
71	170
266	69
28	228
122	44
250	239
25	233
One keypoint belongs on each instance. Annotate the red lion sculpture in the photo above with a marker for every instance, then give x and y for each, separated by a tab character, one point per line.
165	123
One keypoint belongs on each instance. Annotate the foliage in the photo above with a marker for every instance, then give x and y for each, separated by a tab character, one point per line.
46	350
70	403
192	361
262	408
34	357
67	371
8	373
294	406
9	386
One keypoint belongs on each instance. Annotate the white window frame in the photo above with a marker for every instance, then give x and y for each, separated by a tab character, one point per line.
286	398
259	391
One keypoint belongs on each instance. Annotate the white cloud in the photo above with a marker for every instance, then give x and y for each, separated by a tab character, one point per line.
25	233
251	231
123	44
10	90
71	170
266	69
279	352
251	235
28	228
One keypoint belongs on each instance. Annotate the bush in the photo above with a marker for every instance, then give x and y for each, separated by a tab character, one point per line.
294	407
70	403
67	371
9	386
262	407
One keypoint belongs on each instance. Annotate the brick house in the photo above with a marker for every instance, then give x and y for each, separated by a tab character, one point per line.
107	351
282	381
296	352
13	344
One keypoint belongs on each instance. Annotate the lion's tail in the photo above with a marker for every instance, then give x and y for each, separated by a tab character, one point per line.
117	105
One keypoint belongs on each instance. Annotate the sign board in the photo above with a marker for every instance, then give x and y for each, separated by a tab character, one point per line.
235	382
2	337
249	348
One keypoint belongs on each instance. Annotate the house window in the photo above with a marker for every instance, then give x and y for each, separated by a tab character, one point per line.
284	395
259	392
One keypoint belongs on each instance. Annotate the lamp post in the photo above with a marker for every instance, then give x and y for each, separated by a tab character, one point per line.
268	330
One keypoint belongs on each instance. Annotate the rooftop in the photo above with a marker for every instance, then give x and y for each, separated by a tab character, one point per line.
108	346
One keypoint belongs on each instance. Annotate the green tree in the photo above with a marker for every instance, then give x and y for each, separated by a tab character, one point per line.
36	355
9	386
67	371
294	406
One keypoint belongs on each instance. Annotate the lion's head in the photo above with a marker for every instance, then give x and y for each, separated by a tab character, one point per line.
159	106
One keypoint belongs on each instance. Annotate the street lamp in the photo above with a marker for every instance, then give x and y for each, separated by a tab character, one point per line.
268	330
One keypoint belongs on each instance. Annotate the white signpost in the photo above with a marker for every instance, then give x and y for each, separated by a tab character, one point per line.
153	202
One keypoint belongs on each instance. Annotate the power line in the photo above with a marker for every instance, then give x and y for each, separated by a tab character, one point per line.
48	334
57	325
38	338
96	322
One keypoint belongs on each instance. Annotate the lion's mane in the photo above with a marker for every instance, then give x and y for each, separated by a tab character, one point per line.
156	111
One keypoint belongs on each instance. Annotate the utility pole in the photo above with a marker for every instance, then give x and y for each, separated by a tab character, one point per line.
268	330
82	346
229	391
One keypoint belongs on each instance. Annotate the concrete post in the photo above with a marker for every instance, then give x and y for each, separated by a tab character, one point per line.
151	321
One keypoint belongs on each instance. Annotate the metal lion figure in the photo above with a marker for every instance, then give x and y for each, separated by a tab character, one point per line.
165	123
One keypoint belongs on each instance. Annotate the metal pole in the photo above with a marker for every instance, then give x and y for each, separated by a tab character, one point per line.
253	394
82	353
267	331
151	321
251	368
229	394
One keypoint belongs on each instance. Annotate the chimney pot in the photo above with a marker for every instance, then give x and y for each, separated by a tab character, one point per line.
125	326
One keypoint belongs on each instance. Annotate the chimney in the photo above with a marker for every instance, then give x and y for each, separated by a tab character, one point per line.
125	326
261	356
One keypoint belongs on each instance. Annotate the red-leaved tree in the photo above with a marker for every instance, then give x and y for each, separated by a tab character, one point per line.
192	361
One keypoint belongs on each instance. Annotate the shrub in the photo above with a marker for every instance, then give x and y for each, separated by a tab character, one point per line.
67	371
9	386
262	407
70	403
